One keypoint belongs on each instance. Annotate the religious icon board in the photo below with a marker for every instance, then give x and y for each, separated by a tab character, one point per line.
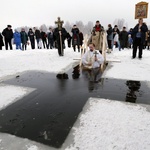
141	10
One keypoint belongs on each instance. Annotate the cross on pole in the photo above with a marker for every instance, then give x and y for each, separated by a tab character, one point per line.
59	23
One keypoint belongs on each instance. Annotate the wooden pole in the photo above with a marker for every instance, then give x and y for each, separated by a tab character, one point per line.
61	44
103	50
84	48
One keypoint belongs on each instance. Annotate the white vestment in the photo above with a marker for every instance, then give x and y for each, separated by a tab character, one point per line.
89	57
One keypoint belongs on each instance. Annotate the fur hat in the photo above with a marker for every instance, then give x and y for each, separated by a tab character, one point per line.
9	26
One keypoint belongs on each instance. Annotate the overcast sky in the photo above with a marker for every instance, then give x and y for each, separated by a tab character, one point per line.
37	12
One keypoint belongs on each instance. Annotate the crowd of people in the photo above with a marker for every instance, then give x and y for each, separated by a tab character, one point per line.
124	39
55	38
44	40
137	38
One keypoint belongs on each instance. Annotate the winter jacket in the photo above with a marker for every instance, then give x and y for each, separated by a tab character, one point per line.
110	34
31	35
8	34
37	34
17	38
81	38
1	40
123	36
24	37
143	28
43	35
75	36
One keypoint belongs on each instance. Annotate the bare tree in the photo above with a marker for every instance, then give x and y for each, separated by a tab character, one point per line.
120	23
43	28
68	26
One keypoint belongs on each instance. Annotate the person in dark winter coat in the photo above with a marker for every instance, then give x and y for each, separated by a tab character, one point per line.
139	35
123	38
37	36
44	39
109	37
60	36
1	41
31	37
81	38
17	39
8	35
75	38
50	37
69	39
24	39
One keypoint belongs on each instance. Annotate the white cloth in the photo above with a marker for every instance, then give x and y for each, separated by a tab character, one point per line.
89	57
40	44
116	38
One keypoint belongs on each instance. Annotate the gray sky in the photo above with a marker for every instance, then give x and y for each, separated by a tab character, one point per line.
37	12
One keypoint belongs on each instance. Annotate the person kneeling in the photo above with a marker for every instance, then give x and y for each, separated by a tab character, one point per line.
92	60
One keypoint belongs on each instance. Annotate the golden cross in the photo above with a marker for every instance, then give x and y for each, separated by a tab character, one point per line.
59	23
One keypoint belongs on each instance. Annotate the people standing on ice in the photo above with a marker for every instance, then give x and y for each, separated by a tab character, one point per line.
17	39
24	39
116	33
60	34
97	36
75	38
50	36
92	60
44	39
109	38
123	38
32	38
8	35
139	35
1	41
37	36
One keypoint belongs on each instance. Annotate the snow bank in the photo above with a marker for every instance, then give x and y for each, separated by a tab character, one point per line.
113	125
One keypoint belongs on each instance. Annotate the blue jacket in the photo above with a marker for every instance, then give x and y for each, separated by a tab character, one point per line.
17	37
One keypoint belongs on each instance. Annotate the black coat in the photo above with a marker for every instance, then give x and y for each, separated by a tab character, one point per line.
31	35
1	40
123	37
37	34
57	35
143	28
43	35
75	36
81	38
8	34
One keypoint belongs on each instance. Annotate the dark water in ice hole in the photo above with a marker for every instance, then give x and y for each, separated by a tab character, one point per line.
47	114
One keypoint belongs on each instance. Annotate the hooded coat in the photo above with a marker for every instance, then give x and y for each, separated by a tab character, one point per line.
17	37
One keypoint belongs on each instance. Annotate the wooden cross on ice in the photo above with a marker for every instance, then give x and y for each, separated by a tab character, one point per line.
59	23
